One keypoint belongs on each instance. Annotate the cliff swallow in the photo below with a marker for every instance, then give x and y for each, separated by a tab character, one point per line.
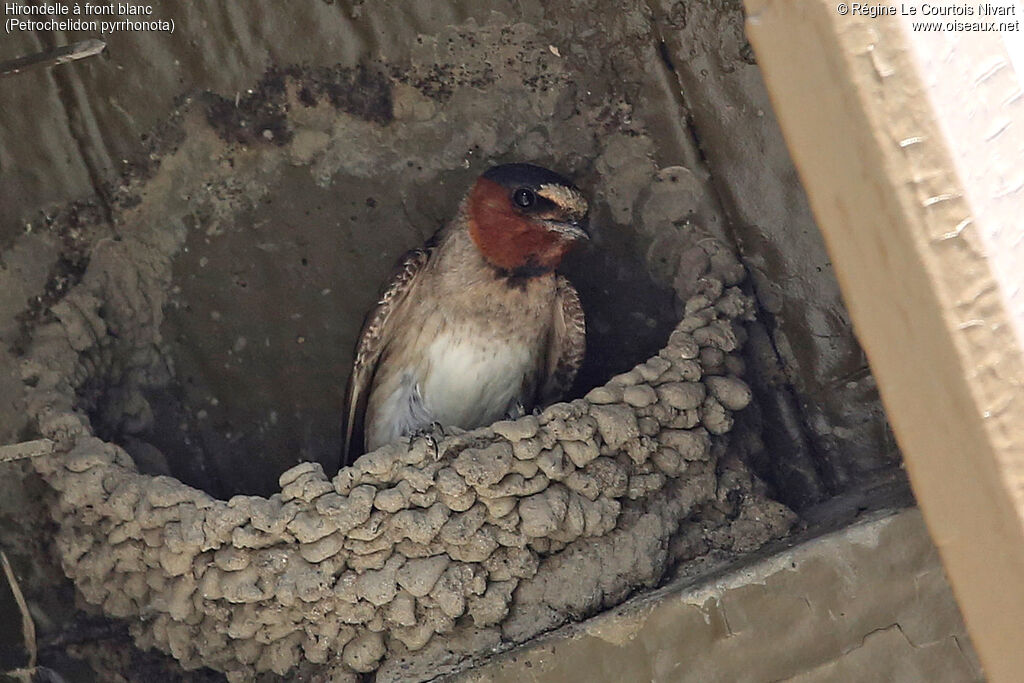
476	325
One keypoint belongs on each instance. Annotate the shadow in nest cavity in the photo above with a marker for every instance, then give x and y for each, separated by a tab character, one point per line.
260	322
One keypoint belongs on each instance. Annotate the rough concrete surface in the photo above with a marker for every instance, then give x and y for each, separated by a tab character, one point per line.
283	157
819	360
866	603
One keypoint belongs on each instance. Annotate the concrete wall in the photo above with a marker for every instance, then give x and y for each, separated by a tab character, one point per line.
867	603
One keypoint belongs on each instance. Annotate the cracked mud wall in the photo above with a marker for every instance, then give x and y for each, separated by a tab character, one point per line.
297	152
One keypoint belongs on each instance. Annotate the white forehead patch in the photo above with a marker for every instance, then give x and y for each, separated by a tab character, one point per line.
566	197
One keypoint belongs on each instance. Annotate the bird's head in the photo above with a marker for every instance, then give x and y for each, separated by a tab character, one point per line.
525	218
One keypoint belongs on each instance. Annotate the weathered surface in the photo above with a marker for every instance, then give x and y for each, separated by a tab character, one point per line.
868	603
834	433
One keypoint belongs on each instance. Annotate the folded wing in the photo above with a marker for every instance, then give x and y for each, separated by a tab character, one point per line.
373	340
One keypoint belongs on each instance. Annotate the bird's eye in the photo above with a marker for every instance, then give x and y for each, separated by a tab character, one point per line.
524	197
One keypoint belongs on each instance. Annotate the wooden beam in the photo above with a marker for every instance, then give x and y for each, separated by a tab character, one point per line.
910	148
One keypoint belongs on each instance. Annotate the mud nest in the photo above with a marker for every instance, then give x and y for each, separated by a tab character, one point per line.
420	556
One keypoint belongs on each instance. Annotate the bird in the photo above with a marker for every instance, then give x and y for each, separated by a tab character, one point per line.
476	325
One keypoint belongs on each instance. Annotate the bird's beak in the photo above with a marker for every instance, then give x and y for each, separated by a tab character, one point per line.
571	231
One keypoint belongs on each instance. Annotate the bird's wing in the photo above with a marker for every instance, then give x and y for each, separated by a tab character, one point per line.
372	341
567	343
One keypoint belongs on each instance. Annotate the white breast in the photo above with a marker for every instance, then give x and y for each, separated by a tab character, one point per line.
459	380
471	381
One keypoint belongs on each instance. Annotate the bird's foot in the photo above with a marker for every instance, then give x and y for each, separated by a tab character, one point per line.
433	434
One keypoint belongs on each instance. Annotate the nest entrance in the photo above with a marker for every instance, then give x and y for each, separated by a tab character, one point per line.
258	313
